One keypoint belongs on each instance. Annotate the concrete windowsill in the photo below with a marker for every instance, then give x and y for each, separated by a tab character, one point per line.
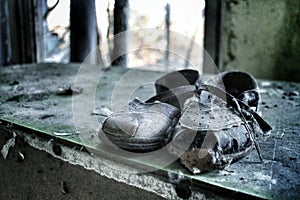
32	109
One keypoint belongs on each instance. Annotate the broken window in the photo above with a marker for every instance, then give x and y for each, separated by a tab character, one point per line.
170	20
179	18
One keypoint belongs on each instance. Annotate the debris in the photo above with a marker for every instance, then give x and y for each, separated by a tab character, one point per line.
266	84
279	87
21	157
10	143
57	149
64	188
273	181
14	98
51	141
291	94
35	96
46	116
81	148
292	158
231	171
69	90
14	83
62	133
183	190
176	177
103	111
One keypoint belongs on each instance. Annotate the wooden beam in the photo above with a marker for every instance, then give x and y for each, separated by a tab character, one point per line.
213	13
84	34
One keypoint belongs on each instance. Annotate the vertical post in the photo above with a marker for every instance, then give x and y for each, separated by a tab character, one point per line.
1	38
5	46
22	31
168	23
121	16
40	22
212	35
110	29
84	32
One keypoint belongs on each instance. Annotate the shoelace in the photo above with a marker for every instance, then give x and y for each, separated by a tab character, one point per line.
239	106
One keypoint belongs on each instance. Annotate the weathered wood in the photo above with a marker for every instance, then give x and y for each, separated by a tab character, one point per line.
22	31
39	28
121	16
5	42
84	32
168	23
22	26
212	34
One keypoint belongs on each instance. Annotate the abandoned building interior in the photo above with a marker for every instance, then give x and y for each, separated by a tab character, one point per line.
162	99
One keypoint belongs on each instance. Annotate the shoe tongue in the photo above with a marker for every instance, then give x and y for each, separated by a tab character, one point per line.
176	79
239	84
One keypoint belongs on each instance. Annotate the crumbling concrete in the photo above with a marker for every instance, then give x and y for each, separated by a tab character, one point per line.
38	175
35	105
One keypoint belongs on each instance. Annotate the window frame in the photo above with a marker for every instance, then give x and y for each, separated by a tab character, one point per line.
212	35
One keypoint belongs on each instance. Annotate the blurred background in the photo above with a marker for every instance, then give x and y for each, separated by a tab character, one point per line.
260	37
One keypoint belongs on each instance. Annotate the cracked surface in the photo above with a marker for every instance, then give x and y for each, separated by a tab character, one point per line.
34	104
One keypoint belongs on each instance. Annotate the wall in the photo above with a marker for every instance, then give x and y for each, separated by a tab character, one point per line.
262	37
38	175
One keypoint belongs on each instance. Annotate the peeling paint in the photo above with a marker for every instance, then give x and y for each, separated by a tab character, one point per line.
262	38
9	144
